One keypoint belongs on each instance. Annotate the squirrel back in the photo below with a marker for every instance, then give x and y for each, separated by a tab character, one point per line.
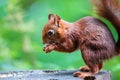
110	9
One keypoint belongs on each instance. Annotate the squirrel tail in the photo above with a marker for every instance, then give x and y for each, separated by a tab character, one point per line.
110	9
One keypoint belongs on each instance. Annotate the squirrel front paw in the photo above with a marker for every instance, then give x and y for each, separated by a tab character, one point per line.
48	48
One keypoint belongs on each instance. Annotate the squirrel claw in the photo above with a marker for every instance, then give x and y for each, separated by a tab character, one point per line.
46	49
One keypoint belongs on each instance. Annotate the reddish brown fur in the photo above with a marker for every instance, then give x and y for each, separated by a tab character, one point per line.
88	34
110	9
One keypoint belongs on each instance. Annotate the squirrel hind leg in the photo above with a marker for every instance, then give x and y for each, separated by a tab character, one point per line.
82	75
86	71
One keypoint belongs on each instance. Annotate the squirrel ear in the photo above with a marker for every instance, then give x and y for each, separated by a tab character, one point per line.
54	18
57	17
51	16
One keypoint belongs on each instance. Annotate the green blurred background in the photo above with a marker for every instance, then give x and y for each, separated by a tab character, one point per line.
21	24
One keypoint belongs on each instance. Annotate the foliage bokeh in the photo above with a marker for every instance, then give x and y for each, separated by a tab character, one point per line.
21	24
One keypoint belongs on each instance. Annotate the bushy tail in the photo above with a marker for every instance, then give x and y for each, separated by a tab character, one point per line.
110	9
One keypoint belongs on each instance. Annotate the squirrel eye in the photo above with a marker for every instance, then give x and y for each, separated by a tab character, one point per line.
50	32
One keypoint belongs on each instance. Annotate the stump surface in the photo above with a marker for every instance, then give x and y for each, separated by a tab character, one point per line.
48	75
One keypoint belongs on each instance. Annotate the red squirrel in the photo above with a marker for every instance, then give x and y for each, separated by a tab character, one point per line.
89	34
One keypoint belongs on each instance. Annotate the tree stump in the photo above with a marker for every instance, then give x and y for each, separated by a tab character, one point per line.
50	75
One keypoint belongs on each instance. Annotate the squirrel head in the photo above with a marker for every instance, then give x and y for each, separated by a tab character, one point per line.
53	31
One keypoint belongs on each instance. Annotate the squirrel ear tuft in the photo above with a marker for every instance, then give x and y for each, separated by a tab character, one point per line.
51	16
57	17
54	18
